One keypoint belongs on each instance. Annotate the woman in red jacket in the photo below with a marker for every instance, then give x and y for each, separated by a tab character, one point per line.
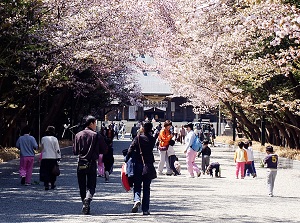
164	138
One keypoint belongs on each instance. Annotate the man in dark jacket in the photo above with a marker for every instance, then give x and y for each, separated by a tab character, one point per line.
134	131
88	144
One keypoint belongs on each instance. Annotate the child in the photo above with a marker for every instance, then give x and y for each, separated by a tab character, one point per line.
206	152
177	165
108	160
240	158
272	161
100	166
172	157
253	166
215	166
248	164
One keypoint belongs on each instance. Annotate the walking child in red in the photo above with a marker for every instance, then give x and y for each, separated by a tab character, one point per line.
240	158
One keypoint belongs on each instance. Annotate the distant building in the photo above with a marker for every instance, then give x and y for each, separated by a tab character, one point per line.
158	99
158	102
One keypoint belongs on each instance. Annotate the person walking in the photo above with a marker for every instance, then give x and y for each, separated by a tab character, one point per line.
123	130
271	160
116	130
253	165
206	152
212	134
240	158
50	155
141	150
164	138
108	159
176	133
88	144
182	134
26	144
248	165
134	131
190	153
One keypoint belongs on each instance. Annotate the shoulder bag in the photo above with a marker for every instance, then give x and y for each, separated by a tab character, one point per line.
148	169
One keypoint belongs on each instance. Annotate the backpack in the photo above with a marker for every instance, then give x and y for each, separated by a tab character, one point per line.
197	145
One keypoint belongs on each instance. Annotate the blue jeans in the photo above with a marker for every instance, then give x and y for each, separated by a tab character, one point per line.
137	187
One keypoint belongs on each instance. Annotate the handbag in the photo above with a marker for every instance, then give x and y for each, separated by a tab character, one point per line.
149	170
83	165
56	170
124	178
163	148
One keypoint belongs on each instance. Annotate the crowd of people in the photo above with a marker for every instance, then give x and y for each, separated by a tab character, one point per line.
95	157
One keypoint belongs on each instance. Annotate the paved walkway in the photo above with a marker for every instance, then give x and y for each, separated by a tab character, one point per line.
173	199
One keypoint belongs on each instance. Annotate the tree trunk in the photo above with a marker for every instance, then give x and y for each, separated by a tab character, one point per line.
283	132
11	123
253	129
56	107
295	84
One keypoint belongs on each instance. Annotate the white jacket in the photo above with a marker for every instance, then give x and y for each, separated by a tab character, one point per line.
170	151
250	154
50	148
189	139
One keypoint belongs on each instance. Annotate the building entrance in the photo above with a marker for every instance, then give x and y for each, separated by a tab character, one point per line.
155	113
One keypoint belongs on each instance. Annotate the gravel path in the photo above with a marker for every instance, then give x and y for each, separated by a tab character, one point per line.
173	199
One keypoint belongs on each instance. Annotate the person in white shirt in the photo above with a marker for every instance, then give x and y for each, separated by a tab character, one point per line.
249	164
50	155
172	157
176	133
190	153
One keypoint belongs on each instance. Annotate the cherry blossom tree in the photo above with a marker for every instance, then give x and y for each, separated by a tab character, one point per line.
239	55
242	54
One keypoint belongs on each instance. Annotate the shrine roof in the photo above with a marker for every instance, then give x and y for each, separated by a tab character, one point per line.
152	84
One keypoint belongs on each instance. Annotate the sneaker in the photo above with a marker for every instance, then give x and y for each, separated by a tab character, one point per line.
86	206
136	207
199	174
106	176
254	175
146	213
160	173
27	184
191	176
270	195
22	180
169	174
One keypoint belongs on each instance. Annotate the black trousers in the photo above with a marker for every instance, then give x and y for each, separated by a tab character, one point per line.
46	175
217	171
87	180
172	159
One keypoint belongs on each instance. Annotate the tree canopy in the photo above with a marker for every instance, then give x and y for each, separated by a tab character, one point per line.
69	57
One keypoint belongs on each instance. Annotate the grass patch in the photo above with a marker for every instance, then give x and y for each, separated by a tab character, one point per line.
10	153
293	154
7	154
